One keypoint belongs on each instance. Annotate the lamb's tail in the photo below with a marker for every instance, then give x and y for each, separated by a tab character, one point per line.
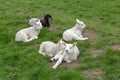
41	50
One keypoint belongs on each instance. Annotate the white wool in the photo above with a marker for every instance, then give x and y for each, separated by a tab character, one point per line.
69	54
29	34
75	32
49	48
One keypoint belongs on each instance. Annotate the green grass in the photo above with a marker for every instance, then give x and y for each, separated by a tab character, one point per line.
21	61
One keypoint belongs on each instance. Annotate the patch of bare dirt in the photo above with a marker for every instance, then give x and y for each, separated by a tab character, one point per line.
33	46
89	33
95	53
93	74
116	47
99	18
10	75
53	27
20	12
67	65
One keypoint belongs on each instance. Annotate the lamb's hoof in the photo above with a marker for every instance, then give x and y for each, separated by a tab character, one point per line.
52	59
35	37
69	61
54	67
86	38
43	54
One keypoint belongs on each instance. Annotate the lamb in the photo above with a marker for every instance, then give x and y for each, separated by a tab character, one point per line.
75	32
29	34
69	54
45	21
49	48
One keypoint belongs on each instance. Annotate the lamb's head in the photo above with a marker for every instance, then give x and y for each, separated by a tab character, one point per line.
61	45
33	20
70	48
37	24
80	24
48	17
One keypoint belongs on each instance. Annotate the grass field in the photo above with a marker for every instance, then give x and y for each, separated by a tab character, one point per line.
100	55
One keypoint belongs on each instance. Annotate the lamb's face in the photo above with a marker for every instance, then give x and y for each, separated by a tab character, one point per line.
70	48
38	24
80	23
48	16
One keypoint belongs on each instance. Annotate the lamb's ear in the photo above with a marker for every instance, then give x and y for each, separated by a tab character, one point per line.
61	42
61	39
64	43
77	20
44	13
74	44
37	20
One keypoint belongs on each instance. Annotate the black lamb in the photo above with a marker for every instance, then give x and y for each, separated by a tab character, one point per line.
45	21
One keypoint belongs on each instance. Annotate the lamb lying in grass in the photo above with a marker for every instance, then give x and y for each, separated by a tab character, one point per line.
49	48
45	21
75	32
29	34
69	54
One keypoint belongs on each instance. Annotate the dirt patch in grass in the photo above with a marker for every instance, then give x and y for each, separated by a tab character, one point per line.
99	18
89	33
116	47
94	74
53	27
33	46
95	53
20	12
10	75
67	65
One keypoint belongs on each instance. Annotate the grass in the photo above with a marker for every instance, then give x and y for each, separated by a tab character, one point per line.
21	61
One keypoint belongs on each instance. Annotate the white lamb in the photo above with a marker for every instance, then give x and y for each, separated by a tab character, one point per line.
29	34
69	54
75	32
49	48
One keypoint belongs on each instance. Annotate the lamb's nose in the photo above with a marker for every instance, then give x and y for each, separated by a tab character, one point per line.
66	50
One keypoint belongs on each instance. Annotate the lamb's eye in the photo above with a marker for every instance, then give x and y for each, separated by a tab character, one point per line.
81	24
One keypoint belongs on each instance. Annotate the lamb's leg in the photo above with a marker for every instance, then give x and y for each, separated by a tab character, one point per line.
59	61
85	38
32	38
28	40
68	61
51	55
35	37
76	37
56	57
80	35
22	36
